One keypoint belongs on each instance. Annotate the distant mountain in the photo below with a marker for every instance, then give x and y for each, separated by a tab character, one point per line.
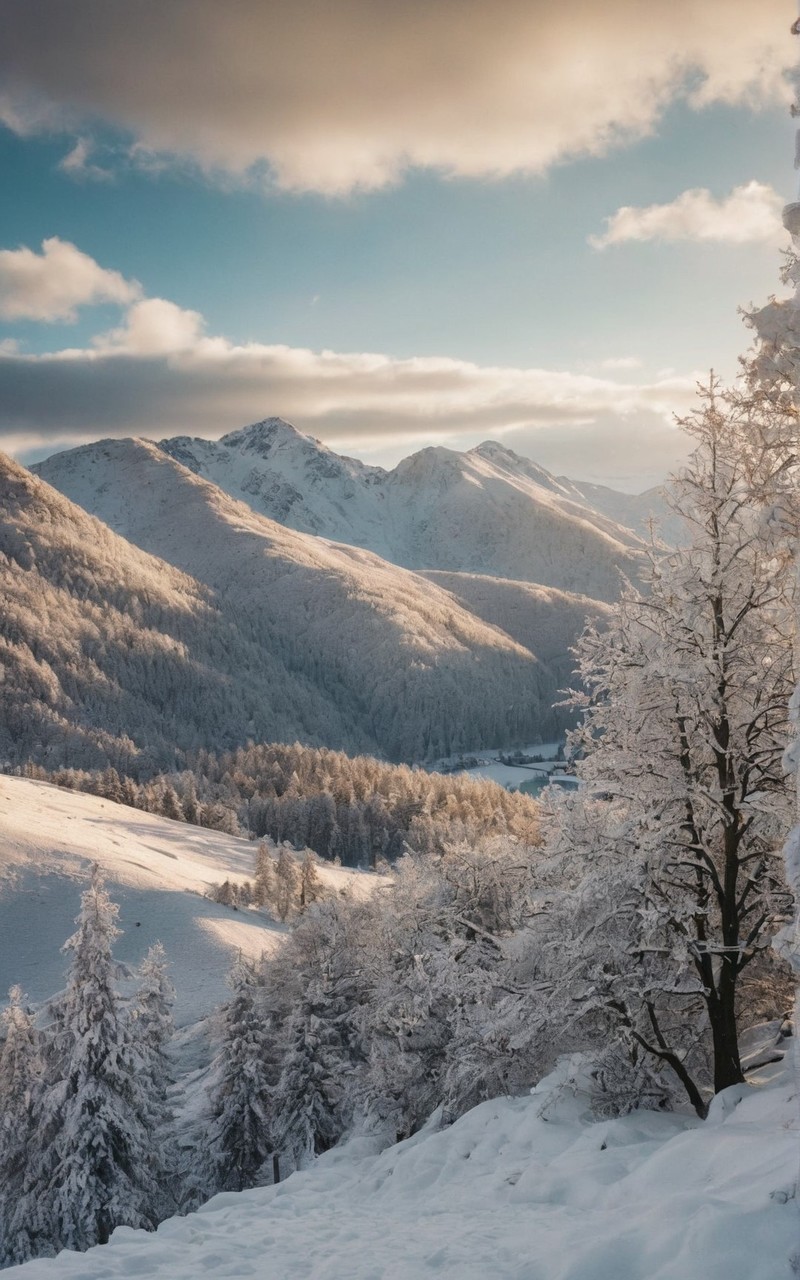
488	511
539	618
635	510
108	655
376	658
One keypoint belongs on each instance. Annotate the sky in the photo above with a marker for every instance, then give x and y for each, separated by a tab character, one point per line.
395	225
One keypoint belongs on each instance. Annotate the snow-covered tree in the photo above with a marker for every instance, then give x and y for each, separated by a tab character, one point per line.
309	1095
286	884
311	888
94	1167
242	1133
264	879
684	729
20	1071
152	1028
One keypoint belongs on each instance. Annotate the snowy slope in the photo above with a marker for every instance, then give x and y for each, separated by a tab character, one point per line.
635	510
518	1189
487	511
156	869
402	657
540	618
109	654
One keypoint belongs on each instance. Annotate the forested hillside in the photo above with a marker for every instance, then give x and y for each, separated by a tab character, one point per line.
541	618
412	671
357	810
112	656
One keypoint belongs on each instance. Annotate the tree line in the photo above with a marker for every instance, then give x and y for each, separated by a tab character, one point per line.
357	810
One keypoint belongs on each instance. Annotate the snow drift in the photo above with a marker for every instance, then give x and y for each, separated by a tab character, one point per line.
518	1189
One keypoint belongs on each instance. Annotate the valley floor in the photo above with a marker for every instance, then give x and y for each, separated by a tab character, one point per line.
518	1189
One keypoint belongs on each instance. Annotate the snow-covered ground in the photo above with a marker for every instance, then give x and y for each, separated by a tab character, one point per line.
510	776
157	870
518	1189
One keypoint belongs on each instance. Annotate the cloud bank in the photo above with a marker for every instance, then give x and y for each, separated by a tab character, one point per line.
333	97
158	374
751	214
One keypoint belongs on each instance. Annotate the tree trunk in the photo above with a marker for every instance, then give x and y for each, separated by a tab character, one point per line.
722	1016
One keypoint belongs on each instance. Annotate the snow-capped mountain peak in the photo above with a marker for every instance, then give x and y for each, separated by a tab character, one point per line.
266	435
485	511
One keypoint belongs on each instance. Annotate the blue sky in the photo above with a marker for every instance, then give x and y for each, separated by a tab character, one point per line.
456	302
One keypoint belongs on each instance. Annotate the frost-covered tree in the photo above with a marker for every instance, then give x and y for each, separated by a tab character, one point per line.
286	884
684	728
242	1130
20	1071
94	1167
152	1028
264	879
311	888
309	1094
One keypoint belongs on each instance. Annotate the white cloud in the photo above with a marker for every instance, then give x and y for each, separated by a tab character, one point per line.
339	96
614	363
152	327
51	285
751	214
78	165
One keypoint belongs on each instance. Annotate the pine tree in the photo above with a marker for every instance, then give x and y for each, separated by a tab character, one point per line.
242	1125
264	879
311	888
20	1070
153	1028
95	1168
308	1099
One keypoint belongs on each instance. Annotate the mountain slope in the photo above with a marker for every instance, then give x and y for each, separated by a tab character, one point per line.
539	618
635	510
157	870
396	655
110	655
487	511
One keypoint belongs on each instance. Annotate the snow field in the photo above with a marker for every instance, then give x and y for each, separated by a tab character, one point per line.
157	870
518	1189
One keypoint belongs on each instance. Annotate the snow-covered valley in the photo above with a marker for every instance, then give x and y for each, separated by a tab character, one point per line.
516	1048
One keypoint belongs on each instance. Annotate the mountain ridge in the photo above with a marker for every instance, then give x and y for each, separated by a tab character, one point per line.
402	667
488	510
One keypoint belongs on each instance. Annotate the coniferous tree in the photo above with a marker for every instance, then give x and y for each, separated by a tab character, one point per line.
242	1125
153	1028
311	889
20	1071
308	1098
95	1167
264	879
287	883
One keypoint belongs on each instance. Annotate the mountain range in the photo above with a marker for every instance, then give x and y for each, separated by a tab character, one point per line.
250	631
487	511
162	598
